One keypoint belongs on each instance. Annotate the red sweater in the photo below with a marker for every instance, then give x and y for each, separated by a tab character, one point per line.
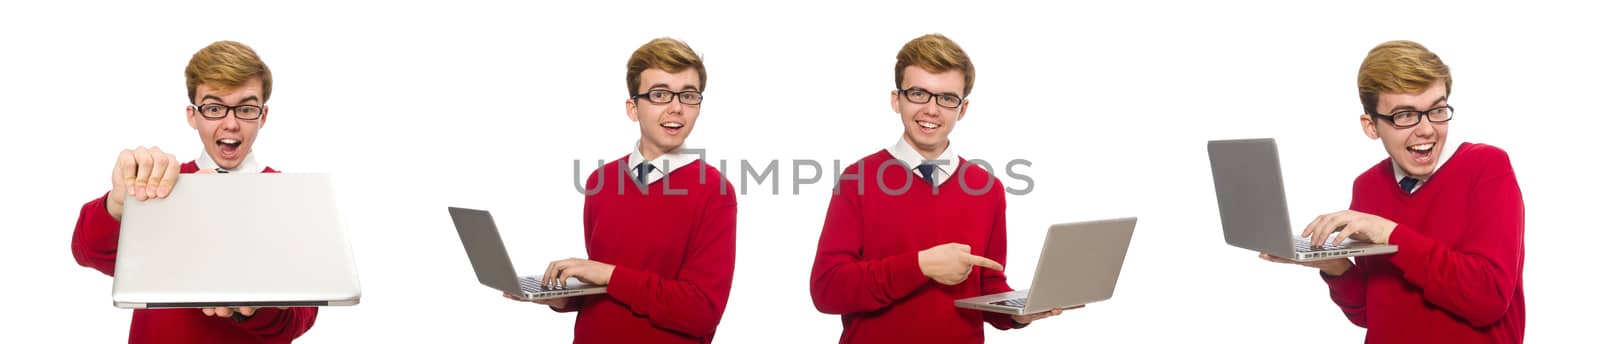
866	266
673	251
1458	275
94	245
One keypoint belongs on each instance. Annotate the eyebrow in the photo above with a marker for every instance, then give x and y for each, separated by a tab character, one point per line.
219	99
1412	108
925	89
669	88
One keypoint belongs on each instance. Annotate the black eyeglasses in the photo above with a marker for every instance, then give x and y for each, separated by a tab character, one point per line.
920	96
219	111
1409	118
662	97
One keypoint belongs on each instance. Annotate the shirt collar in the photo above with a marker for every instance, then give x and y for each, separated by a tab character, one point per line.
947	161
663	165
248	165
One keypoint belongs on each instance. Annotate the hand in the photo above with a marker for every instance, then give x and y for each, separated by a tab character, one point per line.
950	263
142	172
588	271
1331	267
1029	318
557	303
225	312
1349	224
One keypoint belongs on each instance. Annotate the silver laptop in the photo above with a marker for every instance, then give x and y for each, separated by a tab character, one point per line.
236	240
488	255
1079	264
1255	214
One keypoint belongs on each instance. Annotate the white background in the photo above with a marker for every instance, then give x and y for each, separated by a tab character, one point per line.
486	105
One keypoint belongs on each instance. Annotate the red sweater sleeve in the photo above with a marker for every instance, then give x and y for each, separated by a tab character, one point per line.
1349	292
576	303
94	240
841	280
693	302
994	282
275	325
1476	278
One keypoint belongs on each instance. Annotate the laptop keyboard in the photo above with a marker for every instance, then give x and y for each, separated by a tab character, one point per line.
534	285
1303	244
1017	302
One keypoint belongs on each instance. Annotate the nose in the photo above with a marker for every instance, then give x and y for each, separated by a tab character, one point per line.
674	107
1424	129
930	109
230	123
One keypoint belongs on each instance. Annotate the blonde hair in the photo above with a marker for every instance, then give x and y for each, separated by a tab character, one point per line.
1398	67
225	65
666	54
937	54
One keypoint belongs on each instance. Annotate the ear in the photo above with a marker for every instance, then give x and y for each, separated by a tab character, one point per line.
894	101
962	112
632	106
193	118
1370	126
262	122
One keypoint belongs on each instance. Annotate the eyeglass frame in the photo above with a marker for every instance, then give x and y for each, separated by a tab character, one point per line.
229	110
700	97
1422	114
932	97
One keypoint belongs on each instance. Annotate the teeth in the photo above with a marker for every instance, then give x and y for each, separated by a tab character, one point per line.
673	125
228	141
1422	147
928	125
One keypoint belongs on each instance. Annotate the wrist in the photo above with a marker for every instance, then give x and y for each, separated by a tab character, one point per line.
922	258
114	208
1018	323
1335	270
1388	235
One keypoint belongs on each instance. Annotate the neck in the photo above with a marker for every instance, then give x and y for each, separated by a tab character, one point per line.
931	152
651	152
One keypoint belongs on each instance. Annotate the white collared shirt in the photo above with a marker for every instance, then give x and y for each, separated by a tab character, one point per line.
1443	157
946	163
664	164
248	165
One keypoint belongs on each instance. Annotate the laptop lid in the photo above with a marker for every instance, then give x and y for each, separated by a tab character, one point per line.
481	239
1250	196
1080	263
270	239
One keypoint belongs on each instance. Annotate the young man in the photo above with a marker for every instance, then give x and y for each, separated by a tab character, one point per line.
1455	212
898	245
228	90
658	223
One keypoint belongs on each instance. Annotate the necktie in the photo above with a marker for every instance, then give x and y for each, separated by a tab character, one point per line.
221	170
927	172
642	172
1408	184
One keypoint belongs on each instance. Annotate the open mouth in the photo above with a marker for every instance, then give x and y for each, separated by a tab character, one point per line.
928	127
229	148
1421	153
672	127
